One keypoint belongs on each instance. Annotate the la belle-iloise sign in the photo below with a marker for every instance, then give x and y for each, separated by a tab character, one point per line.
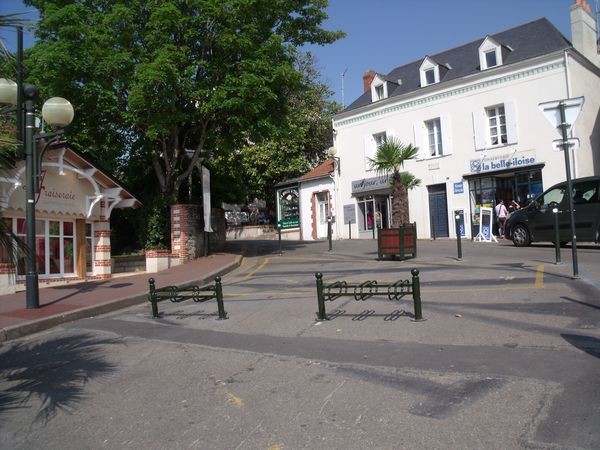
506	161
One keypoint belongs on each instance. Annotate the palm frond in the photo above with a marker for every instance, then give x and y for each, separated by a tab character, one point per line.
391	155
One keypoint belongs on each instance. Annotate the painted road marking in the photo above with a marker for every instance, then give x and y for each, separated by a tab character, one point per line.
539	277
265	262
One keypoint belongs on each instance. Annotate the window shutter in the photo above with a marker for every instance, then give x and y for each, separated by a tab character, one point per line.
480	129
510	112
419	128
390	134
446	135
370	150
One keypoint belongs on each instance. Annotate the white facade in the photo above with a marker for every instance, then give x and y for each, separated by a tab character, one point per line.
481	137
73	208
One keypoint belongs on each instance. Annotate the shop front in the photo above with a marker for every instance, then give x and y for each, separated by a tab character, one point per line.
516	176
373	200
73	206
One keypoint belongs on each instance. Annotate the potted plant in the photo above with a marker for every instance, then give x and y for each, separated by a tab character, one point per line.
156	249
401	238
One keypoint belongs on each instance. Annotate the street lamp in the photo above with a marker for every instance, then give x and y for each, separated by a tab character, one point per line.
331	152
56	112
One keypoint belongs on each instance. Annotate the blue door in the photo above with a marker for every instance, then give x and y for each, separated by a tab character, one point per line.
438	210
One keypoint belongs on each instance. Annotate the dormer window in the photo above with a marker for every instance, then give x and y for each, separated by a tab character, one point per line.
430	72
379	88
430	76
490	54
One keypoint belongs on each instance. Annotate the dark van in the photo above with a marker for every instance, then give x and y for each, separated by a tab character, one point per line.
535	222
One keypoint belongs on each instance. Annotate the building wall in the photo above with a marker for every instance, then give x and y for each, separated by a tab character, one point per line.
308	211
525	85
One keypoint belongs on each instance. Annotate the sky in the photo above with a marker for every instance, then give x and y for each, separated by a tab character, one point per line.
384	34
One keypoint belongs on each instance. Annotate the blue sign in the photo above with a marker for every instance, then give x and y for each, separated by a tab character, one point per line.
459	188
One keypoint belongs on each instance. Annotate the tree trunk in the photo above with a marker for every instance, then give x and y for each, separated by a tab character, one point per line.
400	214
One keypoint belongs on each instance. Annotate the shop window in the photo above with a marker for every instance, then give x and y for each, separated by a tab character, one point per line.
366	213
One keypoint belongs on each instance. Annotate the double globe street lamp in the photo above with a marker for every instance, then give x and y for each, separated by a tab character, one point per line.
56	112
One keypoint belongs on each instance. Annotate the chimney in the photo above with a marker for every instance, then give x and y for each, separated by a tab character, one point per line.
583	31
368	79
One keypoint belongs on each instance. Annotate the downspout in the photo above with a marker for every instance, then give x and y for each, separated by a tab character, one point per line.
568	82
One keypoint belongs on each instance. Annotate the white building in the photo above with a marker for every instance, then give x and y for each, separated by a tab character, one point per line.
473	112
73	206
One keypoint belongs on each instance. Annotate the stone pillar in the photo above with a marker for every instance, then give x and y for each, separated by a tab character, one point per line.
102	259
186	232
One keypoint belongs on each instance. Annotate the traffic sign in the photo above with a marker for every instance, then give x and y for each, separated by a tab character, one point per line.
572	107
572	143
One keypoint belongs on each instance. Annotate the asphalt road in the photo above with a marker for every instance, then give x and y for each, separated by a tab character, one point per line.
508	357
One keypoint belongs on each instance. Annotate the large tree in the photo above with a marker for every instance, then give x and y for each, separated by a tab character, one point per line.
389	159
152	79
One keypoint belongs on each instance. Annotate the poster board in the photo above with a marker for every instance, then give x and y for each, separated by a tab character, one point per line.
486	222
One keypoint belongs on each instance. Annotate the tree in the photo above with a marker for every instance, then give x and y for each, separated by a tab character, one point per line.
390	158
155	78
293	148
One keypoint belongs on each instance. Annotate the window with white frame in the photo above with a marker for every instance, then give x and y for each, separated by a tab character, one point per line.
372	143
379	139
379	92
429	72
496	125
490	53
379	89
490	59
434	137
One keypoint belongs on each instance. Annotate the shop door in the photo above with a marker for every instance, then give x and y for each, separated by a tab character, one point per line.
438	210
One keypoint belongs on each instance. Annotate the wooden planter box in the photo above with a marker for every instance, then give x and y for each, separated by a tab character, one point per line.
397	242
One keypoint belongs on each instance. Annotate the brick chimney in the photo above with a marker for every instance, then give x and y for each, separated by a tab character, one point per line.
368	79
583	31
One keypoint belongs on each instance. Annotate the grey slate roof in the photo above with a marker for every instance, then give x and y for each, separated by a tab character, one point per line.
529	40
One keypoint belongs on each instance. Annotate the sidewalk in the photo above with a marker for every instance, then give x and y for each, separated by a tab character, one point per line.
68	302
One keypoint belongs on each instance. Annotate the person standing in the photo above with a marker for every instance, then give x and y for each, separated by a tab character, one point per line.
501	215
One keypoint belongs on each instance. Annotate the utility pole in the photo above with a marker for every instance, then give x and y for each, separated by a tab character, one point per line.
343	76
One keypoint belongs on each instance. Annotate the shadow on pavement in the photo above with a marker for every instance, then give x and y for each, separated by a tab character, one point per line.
588	344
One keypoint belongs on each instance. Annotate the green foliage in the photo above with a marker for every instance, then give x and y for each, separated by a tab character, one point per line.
155	78
390	158
158	226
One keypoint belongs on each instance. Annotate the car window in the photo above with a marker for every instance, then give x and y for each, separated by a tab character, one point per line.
585	192
551	198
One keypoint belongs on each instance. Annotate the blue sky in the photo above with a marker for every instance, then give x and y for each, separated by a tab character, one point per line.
383	34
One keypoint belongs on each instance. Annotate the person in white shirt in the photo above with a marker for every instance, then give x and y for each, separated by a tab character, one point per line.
501	215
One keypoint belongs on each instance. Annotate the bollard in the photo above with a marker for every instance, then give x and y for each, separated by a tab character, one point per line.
219	295
432	228
556	236
152	298
416	288
458	242
321	315
350	230
329	232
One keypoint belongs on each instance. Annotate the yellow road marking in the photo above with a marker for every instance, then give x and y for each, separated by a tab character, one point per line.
539	277
265	262
234	399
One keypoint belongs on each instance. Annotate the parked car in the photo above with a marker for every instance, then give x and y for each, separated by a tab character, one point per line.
535	222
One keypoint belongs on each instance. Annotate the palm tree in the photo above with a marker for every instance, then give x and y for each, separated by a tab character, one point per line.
389	159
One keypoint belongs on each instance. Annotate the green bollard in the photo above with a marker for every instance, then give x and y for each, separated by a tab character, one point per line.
321	314
556	236
219	295
416	289
152	298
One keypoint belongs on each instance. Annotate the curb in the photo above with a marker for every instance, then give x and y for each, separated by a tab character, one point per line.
35	326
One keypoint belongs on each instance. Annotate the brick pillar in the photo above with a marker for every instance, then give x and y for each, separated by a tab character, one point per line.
186	232
102	257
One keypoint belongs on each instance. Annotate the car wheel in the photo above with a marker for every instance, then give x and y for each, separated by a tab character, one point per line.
520	236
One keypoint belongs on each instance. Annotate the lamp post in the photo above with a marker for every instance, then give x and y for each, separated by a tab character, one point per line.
56	112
